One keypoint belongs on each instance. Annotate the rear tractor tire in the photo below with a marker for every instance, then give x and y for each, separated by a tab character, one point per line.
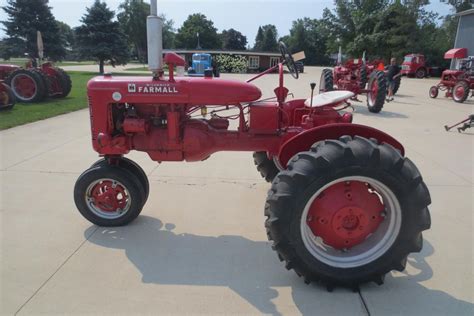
64	82
7	98
109	196
347	212
327	81
27	85
397	82
377	91
266	166
460	92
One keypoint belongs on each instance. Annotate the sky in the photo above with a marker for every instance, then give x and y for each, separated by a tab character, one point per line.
244	16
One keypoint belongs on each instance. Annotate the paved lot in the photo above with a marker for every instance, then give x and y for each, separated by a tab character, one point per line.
199	246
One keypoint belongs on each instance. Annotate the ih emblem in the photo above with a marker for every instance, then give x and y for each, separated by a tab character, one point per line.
132	88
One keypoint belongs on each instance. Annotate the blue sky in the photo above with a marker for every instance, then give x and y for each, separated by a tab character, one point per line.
244	16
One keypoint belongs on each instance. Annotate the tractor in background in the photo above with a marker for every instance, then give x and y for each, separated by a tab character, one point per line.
7	98
32	84
345	205
353	76
457	83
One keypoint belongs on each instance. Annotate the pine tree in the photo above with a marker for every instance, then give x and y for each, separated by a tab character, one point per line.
259	40
101	38
25	18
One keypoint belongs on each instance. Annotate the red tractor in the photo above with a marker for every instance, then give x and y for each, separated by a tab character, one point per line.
345	205
34	84
456	82
352	76
7	98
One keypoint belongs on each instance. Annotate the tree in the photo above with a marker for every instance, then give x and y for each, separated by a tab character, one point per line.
266	39
132	18
306	35
67	34
233	40
25	18
460	5
259	39
101	38
187	36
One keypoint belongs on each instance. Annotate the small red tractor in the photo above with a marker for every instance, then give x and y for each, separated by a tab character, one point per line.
345	205
456	82
7	98
35	83
352	76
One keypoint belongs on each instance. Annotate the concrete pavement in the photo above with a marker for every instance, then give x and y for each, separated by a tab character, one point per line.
199	246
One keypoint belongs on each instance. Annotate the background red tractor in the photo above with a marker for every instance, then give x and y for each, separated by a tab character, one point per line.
353	76
7	98
457	83
33	84
345	205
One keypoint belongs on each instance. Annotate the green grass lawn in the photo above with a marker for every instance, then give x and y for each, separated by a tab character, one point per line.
22	61
23	113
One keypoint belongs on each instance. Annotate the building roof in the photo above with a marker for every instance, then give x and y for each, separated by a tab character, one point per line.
466	12
225	52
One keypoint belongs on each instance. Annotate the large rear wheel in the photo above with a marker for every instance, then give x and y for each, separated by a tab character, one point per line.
347	212
460	92
27	85
377	92
7	98
326	82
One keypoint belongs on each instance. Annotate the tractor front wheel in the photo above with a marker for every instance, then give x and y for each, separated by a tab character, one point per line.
27	85
267	167
377	92
434	92
460	92
132	167
108	196
327	81
347	212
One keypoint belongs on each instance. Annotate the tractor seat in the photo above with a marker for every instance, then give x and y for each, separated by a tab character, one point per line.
328	98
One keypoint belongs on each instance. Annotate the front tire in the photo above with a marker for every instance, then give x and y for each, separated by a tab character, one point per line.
108	196
434	92
347	212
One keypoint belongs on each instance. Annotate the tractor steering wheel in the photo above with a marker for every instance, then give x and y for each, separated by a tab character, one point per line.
288	60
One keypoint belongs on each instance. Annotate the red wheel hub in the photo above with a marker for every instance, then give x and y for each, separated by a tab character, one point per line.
374	90
459	92
345	214
25	86
109	196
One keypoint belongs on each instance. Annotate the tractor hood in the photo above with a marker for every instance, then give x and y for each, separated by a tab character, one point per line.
184	90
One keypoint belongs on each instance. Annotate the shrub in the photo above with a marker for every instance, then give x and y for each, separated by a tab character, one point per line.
231	63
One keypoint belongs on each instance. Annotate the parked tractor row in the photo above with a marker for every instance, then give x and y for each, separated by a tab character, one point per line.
34	84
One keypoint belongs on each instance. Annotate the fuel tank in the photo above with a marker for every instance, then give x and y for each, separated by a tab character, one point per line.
182	90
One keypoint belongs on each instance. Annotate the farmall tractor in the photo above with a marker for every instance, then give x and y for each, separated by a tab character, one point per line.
456	82
34	82
352	76
345	205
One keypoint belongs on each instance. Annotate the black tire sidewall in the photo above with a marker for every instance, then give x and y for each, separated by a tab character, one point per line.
123	177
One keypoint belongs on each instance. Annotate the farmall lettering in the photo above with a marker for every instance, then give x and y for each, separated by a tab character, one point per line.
154	88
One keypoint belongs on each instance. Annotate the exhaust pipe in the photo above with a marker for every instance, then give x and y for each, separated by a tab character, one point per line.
154	26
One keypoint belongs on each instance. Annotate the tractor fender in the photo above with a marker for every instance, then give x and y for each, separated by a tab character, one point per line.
304	141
